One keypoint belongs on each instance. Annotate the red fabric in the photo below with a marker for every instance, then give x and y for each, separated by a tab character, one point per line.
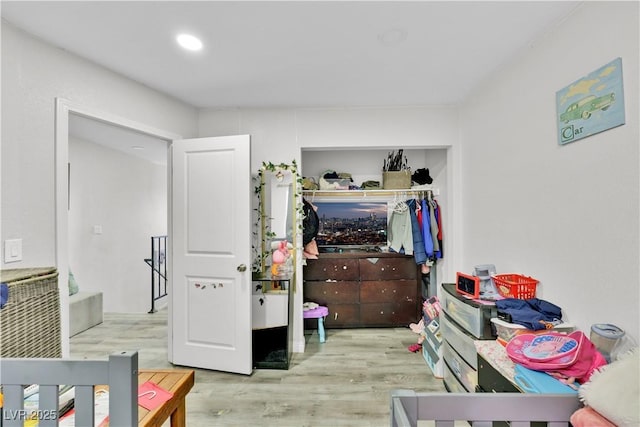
151	395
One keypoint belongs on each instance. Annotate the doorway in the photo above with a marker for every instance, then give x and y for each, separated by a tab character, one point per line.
66	112
117	201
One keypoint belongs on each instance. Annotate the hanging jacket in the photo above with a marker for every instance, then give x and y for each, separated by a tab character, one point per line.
426	229
434	226
400	234
418	243
439	235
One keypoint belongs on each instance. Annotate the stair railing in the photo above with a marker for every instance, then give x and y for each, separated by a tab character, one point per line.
158	264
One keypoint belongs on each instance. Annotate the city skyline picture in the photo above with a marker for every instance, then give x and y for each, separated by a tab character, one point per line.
352	223
351	209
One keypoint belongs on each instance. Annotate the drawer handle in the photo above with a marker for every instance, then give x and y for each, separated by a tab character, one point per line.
335	316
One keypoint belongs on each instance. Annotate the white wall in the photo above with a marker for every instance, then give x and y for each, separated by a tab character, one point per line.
280	135
33	75
566	215
127	197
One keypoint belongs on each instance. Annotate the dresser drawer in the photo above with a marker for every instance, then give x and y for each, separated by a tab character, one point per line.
332	269
388	268
461	369
325	293
451	383
474	319
387	314
462	342
343	316
385	291
492	381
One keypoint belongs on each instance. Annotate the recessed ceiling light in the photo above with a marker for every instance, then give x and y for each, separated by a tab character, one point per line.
189	42
392	36
137	147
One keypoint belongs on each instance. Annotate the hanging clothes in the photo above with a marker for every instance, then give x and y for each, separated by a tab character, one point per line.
419	215
434	226
426	229
400	233
419	253
439	221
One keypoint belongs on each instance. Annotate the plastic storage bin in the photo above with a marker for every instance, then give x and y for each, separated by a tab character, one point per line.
515	286
471	316
605	336
505	330
334	184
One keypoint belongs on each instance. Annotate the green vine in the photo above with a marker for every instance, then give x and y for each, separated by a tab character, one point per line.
261	232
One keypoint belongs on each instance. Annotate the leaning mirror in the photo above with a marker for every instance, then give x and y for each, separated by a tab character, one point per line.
277	194
278	189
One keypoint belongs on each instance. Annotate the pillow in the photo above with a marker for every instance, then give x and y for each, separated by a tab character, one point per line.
73	285
614	390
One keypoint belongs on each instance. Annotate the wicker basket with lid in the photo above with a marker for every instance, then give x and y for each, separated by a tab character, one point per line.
30	320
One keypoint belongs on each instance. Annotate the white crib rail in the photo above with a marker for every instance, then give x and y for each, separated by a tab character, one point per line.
120	373
481	409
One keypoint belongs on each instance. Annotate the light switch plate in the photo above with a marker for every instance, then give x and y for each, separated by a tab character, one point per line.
12	250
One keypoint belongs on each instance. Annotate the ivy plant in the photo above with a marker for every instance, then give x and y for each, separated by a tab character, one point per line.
261	227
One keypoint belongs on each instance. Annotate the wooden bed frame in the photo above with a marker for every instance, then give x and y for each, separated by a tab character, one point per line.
481	409
120	373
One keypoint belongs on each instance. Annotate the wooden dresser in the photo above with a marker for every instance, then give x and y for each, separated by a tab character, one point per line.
364	289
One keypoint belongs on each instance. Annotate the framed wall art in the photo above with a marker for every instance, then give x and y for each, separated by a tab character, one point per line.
592	104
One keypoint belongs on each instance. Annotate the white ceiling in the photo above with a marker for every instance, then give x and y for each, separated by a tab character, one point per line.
118	138
297	53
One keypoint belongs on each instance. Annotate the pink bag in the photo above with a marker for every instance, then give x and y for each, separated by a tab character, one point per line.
571	357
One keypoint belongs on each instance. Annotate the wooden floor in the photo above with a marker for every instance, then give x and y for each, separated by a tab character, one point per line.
345	381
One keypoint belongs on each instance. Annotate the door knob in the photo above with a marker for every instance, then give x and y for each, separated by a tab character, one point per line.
242	268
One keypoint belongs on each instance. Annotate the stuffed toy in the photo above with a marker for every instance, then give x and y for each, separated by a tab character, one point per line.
279	257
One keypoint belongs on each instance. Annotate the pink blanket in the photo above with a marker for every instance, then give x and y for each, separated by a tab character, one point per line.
588	417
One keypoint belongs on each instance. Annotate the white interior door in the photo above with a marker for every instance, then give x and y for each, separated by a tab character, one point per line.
210	262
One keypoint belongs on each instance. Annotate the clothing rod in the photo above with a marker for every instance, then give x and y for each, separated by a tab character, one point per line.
365	193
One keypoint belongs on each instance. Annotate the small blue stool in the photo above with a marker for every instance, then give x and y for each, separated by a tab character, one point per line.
317	313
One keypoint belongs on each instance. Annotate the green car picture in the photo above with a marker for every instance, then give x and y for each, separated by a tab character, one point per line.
586	106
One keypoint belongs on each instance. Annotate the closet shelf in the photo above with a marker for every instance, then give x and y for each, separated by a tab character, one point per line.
368	193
